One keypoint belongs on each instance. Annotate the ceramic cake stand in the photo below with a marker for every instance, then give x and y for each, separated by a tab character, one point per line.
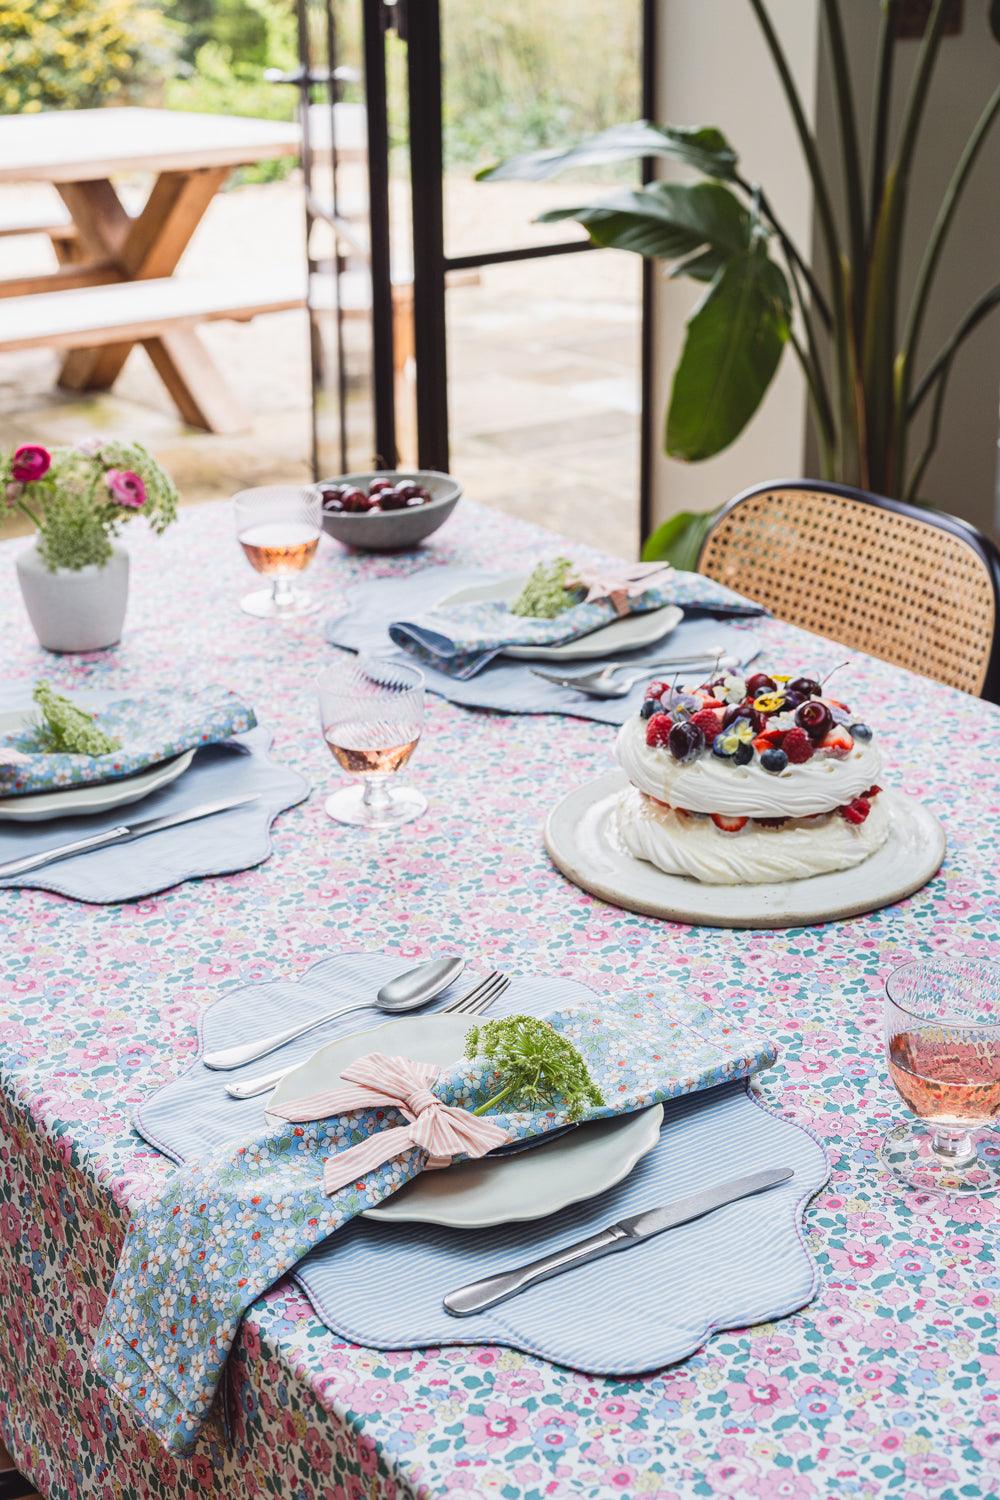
583	842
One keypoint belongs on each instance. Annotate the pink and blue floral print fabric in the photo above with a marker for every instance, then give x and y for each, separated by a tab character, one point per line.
225	1228
156	726
462	639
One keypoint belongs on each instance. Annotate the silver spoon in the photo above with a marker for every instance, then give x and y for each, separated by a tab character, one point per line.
406	992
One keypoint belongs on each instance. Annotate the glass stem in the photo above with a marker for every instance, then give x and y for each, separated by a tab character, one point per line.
376	797
282	592
954	1146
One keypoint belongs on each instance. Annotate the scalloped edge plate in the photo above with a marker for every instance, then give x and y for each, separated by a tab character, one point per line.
498	1189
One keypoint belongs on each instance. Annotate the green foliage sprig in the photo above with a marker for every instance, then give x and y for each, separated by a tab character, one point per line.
84	496
545	594
537	1065
80	54
66	729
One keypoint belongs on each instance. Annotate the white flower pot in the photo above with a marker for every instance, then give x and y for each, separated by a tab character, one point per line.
75	609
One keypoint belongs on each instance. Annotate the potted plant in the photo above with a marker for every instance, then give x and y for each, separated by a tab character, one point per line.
859	347
74	577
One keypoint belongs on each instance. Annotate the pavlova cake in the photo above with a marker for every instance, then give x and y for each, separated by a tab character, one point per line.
745	780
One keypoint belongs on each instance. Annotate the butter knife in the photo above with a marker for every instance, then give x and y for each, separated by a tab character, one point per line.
122	833
479	1295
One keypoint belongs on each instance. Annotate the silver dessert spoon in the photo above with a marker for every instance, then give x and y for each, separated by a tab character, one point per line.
407	991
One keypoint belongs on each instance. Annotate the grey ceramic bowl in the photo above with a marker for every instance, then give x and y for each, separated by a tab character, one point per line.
393	530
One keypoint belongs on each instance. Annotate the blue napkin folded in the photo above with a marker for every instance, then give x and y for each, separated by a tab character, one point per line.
230	1223
159	725
462	639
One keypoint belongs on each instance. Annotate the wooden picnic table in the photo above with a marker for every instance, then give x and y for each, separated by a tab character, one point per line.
79	152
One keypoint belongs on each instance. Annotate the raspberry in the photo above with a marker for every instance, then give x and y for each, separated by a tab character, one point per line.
871	793
708	721
798	746
856	811
658	729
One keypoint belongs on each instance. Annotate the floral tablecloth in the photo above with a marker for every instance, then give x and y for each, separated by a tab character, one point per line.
886	1385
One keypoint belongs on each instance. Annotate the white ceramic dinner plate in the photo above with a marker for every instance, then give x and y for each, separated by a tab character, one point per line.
94	797
498	1189
627	634
583	843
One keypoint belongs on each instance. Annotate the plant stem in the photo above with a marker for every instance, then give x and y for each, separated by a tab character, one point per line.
850	153
824	207
823	429
885	56
29	513
939	232
792	253
497	1099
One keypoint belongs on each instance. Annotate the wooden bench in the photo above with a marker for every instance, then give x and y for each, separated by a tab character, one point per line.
161	314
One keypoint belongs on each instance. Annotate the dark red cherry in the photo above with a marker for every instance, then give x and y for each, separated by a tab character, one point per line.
815	718
377	485
355	501
760	683
805	687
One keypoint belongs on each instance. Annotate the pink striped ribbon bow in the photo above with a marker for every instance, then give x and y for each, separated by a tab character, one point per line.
442	1130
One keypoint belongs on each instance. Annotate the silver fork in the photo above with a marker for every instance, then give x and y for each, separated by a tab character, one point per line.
603	684
478	1000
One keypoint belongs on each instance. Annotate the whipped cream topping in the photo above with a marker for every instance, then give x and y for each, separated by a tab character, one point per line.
696	847
709	784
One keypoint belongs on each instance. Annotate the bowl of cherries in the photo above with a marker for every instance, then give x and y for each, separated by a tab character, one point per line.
389	510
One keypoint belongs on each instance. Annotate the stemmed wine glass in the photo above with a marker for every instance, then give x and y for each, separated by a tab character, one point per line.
942	1031
372	712
278	527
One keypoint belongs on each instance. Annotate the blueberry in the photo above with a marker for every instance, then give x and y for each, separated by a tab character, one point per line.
718	747
686	742
649	708
774	760
861	731
743	754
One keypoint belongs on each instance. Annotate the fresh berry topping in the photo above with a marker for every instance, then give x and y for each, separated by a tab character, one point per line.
861	731
658	729
657	689
686	742
774	760
806	687
649	708
768	739
871	793
856	811
711	702
838	742
792	700
798	747
760	683
815	718
708	721
744	754
375	485
727	824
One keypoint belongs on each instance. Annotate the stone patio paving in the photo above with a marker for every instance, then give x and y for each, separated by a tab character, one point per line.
543	369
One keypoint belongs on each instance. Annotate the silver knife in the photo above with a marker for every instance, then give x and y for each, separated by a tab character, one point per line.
479	1295
123	833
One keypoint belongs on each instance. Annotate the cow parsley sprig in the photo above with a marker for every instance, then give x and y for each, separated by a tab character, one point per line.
537	1066
66	729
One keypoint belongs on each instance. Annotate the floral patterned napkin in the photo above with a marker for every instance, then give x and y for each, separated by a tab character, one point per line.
462	639
224	1228
160	724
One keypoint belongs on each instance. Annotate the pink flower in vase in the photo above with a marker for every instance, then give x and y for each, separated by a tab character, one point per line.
30	462
126	488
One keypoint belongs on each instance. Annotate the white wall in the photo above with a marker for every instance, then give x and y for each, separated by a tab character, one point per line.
714	69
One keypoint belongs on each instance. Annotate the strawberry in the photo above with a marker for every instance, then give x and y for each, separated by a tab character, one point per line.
871	793
798	746
769	739
657	689
838	742
728	824
856	811
708	721
713	703
658	730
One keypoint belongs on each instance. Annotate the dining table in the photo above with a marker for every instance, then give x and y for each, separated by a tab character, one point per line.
887	1383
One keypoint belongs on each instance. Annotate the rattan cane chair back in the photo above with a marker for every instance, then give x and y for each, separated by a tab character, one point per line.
913	587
